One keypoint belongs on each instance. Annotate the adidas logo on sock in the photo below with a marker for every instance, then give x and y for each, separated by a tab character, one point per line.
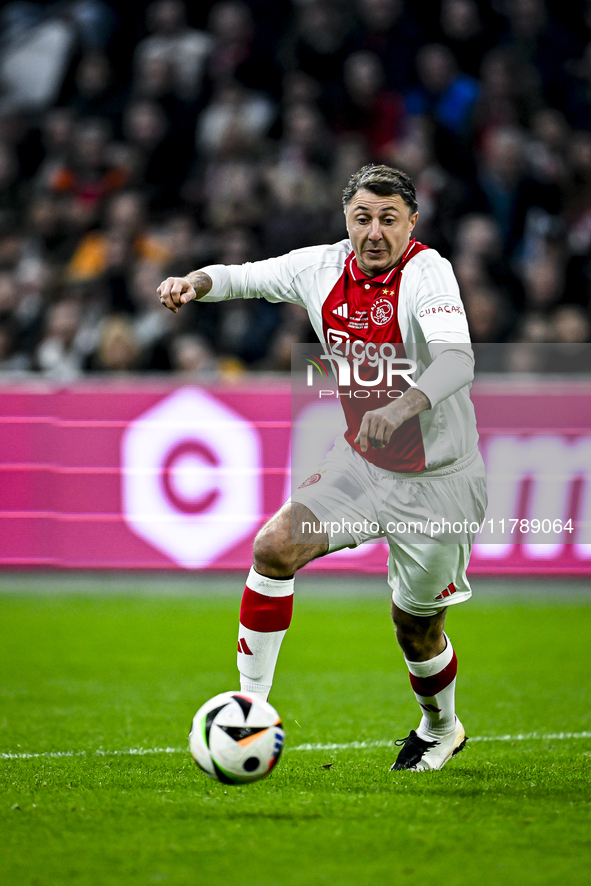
243	647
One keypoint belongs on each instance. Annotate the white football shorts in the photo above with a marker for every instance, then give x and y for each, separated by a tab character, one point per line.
428	518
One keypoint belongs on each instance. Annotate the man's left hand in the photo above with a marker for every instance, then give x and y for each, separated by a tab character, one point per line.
378	425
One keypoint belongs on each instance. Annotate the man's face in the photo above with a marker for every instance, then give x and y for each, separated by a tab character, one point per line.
380	229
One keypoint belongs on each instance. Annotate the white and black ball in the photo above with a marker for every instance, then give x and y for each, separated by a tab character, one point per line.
236	738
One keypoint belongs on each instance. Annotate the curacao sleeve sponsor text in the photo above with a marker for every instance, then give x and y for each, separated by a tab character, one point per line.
447	308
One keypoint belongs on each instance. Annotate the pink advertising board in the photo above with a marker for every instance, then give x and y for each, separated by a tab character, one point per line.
143	474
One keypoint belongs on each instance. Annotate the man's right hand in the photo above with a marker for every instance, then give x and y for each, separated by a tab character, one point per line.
175	292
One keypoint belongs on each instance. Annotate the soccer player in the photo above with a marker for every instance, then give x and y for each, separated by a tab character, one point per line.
407	460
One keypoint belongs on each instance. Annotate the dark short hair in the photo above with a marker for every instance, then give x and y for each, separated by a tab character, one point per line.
384	181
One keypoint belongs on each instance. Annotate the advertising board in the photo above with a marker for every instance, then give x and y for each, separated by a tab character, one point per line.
143	474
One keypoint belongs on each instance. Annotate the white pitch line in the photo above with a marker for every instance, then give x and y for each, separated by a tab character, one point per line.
345	746
363	745
130	752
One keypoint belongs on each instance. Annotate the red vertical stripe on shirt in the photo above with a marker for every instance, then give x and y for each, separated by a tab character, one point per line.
405	451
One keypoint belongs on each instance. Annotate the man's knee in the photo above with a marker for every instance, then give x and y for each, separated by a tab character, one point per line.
280	549
273	552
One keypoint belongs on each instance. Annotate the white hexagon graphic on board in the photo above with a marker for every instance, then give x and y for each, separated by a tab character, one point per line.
191	483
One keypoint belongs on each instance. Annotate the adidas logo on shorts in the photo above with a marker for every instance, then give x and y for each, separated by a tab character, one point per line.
450	589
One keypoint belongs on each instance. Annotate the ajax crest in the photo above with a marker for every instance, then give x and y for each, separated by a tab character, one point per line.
310	481
381	312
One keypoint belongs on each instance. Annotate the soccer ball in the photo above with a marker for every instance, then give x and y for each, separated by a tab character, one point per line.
236	738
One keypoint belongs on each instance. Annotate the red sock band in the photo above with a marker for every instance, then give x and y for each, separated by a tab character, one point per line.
430	686
261	613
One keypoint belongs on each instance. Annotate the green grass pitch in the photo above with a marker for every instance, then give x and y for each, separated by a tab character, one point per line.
100	678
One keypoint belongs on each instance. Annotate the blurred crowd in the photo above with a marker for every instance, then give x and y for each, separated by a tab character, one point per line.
153	139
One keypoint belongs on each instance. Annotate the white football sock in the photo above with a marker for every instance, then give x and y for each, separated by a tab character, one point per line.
265	615
434	684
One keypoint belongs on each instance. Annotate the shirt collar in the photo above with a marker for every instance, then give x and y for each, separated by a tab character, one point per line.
356	274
